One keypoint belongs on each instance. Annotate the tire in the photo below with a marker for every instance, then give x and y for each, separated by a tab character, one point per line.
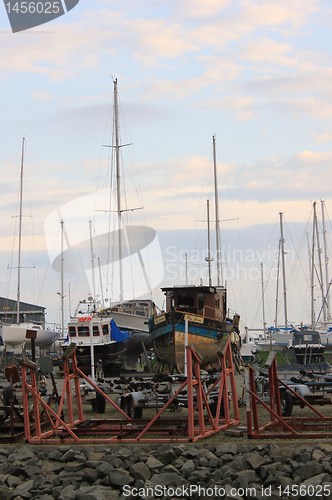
138	412
213	408
99	404
127	405
286	400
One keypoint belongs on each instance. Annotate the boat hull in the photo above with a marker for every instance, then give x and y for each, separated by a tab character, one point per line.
15	335
207	338
114	356
130	322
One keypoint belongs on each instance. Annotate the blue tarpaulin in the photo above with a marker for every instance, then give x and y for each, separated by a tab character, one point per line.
117	334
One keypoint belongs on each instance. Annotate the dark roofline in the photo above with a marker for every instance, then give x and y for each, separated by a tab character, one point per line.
195	288
11	303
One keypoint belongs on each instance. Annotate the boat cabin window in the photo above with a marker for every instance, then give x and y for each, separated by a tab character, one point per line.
185	302
83	331
306	338
72	331
200	303
105	330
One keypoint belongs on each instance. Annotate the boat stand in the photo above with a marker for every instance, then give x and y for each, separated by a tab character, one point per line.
279	426
68	425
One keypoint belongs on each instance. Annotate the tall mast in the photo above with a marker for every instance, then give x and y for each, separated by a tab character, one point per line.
319	251
92	256
313	269
118	183
277	289
18	296
263	301
208	258
62	285
282	242
116	145
216	203
326	259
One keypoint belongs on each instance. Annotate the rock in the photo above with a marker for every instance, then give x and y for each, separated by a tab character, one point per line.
67	493
318	479
167	455
187	468
229	449
120	477
318	455
73	467
154	464
167	479
255	460
90	475
95	474
325	447
96	493
24	489
140	471
13	481
69	456
23	454
5	492
307	470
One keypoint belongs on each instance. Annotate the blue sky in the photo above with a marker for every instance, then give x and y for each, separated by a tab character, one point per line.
254	73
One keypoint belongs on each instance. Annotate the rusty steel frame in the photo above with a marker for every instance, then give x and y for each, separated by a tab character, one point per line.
74	428
279	426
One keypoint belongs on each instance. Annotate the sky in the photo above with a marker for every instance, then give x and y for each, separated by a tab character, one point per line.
256	74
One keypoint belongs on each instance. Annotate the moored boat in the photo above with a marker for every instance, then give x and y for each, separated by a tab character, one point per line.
17	335
307	347
101	344
132	315
204	308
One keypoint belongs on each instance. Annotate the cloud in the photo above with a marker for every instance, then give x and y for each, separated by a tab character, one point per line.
323	137
42	96
268	181
199	9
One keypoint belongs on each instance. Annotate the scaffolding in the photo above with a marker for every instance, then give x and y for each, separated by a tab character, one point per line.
67	423
278	425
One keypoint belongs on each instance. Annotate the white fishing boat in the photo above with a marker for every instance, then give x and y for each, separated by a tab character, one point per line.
101	344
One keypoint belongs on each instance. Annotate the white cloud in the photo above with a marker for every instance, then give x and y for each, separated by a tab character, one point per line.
323	137
42	96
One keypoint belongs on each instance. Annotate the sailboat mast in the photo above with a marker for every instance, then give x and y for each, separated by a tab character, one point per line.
209	241
18	296
263	301
62	284
277	289
282	242
321	280
216	203
118	183
92	255
326	259
313	269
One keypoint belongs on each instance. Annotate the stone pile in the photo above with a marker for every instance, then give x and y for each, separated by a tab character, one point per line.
204	470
